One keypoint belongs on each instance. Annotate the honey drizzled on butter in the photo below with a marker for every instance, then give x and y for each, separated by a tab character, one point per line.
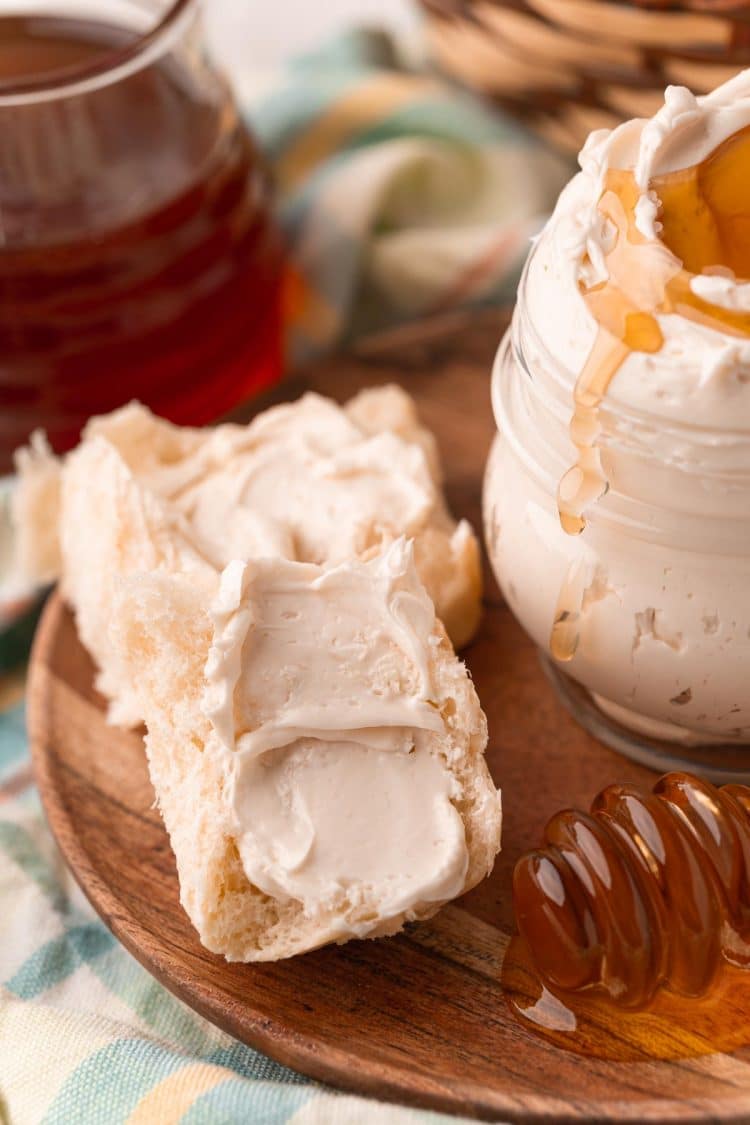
705	215
634	922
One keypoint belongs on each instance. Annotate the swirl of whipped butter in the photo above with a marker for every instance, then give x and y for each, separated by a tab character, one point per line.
319	689
302	481
699	371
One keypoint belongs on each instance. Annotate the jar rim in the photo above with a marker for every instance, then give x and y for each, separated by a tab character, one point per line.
633	514
114	64
612	405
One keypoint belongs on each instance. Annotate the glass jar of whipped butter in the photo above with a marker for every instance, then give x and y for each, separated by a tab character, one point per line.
617	493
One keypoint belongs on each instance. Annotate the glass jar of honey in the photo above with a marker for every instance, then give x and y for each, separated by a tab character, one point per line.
643	616
138	253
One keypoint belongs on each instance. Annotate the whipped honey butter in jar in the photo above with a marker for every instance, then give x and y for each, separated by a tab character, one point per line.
617	494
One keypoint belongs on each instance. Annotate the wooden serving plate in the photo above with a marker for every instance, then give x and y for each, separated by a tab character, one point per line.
421	1017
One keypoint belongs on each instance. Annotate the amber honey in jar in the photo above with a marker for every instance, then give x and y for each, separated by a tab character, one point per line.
138	253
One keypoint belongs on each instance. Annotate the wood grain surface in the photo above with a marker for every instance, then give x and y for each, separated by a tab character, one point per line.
421	1017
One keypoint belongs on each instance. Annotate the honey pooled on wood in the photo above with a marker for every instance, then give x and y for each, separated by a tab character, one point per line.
704	211
634	923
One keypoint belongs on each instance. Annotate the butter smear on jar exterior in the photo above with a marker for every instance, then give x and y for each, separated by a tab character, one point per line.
617	495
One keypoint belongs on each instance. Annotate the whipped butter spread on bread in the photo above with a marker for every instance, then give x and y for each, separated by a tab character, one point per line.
277	602
314	730
308	481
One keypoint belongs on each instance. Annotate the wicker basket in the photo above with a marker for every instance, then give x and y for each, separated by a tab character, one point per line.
570	66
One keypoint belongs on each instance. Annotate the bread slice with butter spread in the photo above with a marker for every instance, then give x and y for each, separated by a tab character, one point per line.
316	747
308	481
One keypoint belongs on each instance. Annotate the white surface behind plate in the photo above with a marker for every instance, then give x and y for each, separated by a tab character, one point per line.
256	33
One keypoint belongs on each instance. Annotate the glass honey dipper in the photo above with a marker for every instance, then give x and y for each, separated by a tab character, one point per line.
640	906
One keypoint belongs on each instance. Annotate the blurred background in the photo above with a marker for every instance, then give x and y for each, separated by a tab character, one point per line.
246	33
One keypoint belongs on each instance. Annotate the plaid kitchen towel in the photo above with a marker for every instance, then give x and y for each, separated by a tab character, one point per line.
87	1036
400	197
